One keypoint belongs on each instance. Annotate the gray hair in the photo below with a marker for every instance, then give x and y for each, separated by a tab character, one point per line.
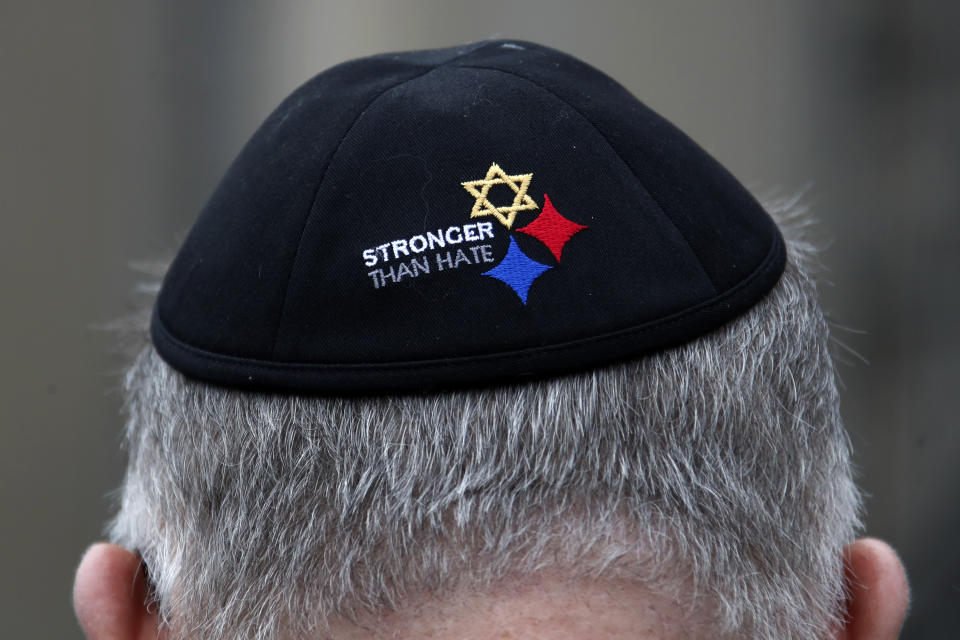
720	465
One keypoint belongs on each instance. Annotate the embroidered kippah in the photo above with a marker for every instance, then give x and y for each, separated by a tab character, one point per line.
463	216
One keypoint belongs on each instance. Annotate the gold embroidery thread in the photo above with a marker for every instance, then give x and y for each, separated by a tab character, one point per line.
496	175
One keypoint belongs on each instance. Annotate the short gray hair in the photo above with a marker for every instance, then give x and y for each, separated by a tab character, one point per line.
721	465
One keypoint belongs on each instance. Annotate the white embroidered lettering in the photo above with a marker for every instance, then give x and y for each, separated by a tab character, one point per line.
396	250
389	273
403	270
419	266
436	239
486	229
450	235
394	274
418	244
444	258
399	247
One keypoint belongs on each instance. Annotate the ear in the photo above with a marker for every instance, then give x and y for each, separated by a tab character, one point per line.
110	593
878	592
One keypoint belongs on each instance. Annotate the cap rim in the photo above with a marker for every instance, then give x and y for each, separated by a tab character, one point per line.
478	370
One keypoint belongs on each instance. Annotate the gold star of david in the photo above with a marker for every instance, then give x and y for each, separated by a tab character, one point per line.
496	175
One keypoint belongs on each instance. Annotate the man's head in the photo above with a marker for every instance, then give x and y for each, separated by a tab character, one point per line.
692	480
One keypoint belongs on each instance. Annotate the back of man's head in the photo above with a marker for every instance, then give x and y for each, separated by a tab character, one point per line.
718	468
700	480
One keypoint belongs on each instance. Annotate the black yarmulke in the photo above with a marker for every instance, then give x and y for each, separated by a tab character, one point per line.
455	217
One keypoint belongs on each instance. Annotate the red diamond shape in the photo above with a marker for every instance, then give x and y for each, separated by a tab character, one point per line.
551	228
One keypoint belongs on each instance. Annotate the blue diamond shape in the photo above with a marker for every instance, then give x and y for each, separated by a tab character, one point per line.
517	270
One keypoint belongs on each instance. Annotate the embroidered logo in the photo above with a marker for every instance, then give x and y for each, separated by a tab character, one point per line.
516	269
431	251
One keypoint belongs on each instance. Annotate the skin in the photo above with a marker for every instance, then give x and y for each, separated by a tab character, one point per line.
110	589
546	606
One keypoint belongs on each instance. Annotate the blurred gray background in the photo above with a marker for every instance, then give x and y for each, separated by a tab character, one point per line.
117	119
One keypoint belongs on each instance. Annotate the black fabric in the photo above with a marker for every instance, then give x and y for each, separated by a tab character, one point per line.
273	288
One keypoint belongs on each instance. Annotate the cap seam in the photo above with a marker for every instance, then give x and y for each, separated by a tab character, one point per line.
316	194
613	148
469	49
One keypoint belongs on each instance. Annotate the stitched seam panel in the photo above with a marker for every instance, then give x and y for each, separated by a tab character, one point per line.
615	152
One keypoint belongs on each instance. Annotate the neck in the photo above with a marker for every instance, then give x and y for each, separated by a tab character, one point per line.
538	607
